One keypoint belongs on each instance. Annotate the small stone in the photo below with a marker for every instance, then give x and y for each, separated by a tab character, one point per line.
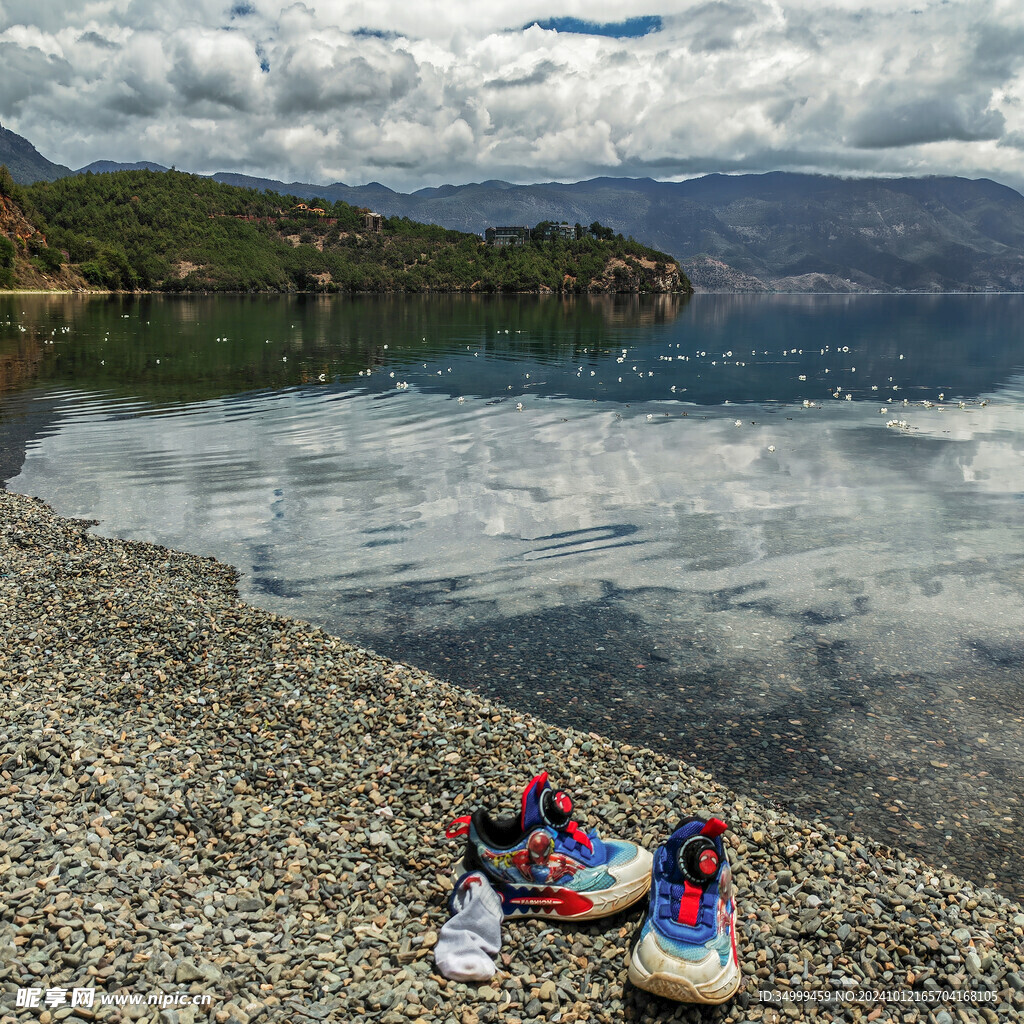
973	963
187	972
330	911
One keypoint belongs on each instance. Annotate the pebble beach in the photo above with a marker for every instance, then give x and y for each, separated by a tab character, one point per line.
202	799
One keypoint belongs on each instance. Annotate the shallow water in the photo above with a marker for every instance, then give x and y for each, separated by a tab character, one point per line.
713	555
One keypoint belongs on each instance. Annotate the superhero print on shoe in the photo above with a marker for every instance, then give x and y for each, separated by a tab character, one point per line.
543	864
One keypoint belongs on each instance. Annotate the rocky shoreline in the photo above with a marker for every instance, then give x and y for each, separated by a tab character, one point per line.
201	798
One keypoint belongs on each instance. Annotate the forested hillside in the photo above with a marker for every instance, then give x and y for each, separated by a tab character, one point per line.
26	259
173	231
760	232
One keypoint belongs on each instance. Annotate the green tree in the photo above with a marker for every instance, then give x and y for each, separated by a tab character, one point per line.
142	229
110	269
7	252
7	185
49	260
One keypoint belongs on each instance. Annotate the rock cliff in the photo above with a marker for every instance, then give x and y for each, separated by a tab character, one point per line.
26	261
639	274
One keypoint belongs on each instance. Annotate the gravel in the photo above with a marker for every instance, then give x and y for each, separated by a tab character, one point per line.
200	797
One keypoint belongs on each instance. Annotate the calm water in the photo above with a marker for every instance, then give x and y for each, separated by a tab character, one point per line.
782	537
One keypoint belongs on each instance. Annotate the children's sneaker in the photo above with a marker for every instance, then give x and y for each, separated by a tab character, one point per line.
686	947
543	864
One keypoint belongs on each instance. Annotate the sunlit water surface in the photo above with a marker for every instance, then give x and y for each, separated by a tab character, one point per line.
664	520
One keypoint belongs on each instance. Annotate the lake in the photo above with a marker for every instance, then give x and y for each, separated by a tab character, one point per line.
779	536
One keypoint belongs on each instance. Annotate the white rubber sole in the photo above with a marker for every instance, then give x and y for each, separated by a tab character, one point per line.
670	983
633	879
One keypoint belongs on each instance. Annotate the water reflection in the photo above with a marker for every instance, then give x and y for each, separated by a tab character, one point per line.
709	351
20	360
822	609
180	349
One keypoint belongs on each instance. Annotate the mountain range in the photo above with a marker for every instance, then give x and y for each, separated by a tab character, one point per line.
25	162
751	232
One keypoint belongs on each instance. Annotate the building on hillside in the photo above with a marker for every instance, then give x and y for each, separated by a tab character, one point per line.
373	222
507	235
563	230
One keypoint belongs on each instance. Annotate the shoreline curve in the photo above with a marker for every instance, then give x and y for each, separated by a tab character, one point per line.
200	796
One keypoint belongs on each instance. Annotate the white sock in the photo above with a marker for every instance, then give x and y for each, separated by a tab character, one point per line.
472	932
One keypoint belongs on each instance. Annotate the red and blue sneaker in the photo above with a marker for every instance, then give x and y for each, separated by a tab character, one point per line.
686	947
542	864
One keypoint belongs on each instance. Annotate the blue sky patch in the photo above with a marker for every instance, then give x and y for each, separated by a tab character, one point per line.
242	10
631	28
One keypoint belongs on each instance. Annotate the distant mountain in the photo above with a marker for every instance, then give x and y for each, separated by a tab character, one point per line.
750	232
379	197
753	232
109	166
25	162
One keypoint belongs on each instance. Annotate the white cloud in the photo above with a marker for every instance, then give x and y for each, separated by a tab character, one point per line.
317	75
415	94
211	68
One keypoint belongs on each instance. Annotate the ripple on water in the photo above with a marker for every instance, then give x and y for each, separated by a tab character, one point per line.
809	602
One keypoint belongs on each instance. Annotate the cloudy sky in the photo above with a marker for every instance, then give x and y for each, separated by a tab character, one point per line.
422	92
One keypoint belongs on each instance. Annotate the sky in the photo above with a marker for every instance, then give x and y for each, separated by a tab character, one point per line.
415	93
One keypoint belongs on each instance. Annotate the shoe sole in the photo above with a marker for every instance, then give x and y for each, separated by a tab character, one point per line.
718	990
559	903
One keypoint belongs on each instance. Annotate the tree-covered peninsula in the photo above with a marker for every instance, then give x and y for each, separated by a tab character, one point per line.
171	231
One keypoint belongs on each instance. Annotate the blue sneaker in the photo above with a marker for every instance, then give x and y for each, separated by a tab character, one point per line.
686	947
542	864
